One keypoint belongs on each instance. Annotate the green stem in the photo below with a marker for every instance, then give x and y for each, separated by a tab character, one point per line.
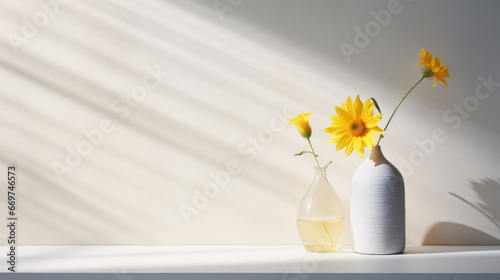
314	154
385	128
329	235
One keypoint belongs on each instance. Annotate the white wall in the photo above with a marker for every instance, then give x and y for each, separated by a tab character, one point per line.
224	80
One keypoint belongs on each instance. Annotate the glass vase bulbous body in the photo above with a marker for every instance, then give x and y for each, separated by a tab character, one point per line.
320	217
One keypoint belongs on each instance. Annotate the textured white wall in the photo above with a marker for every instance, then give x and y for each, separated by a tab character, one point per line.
184	94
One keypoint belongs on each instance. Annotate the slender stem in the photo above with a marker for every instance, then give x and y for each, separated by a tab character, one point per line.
329	235
314	154
385	128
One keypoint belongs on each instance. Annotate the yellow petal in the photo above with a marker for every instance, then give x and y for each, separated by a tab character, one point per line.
336	138
357	143
350	107
442	81
366	142
376	130
343	142
373	121
349	148
336	130
343	114
344	106
422	54
368	109
360	149
372	140
358	106
339	121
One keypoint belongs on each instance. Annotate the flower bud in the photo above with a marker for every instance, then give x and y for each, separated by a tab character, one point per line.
302	123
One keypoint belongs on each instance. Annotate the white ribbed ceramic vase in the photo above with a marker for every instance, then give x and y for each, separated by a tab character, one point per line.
378	206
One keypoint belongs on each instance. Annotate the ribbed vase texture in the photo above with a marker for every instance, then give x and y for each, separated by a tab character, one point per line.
378	206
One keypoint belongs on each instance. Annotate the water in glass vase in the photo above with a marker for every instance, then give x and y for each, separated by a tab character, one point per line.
320	236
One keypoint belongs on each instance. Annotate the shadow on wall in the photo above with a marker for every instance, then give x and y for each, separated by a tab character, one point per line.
447	233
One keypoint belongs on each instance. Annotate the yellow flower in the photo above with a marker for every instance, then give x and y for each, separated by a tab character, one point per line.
302	123
354	125
433	67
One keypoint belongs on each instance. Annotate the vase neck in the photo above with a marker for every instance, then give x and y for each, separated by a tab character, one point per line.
376	153
377	156
321	173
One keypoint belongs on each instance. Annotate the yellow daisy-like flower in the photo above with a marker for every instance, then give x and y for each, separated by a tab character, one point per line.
433	67
354	125
302	123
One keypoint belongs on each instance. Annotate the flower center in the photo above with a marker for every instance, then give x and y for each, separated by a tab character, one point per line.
357	128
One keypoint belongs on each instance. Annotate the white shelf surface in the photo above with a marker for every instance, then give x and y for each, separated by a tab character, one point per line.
245	259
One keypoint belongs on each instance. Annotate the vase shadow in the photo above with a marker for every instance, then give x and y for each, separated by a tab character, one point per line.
448	233
487	192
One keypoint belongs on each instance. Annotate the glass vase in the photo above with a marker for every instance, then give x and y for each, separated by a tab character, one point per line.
320	217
